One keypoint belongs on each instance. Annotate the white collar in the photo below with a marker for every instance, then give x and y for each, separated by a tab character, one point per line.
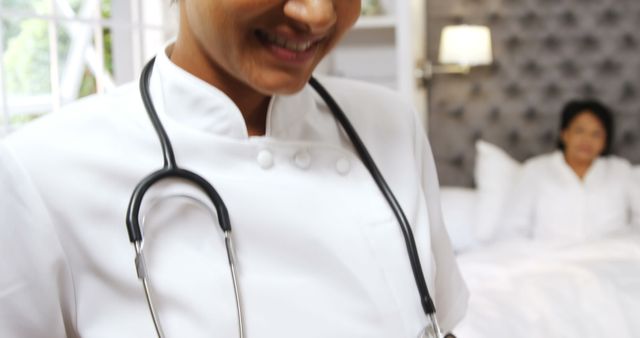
592	172
183	98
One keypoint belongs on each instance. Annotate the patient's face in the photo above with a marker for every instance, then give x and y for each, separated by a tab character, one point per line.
585	138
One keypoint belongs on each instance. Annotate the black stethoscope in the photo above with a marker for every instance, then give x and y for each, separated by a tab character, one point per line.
170	170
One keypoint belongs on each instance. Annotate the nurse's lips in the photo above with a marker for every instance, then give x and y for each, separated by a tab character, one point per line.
296	50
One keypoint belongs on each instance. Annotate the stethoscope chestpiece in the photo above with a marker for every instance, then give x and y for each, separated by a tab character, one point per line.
428	332
431	330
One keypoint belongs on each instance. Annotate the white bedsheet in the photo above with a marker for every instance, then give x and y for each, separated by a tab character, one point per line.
523	289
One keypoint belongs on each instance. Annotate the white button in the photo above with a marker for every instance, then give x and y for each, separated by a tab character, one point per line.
343	166
302	159
265	159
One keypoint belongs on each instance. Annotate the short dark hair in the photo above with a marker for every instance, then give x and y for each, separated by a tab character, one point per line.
576	107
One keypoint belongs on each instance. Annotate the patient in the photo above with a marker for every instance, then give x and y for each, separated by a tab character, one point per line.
578	192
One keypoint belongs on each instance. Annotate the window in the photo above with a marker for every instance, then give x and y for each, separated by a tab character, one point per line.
53	52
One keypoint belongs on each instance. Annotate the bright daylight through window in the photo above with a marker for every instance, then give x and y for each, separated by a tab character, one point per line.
53	52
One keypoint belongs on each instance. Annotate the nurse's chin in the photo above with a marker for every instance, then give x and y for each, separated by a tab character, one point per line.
278	85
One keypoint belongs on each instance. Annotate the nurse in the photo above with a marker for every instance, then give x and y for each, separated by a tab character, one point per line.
318	249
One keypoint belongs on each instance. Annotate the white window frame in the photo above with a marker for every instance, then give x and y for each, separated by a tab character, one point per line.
139	28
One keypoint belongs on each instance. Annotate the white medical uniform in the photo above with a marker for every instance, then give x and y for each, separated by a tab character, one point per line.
550	202
319	251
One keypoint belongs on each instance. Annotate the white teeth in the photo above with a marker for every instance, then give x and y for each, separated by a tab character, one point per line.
281	41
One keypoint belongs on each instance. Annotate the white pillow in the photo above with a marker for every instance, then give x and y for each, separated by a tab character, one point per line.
458	211
495	172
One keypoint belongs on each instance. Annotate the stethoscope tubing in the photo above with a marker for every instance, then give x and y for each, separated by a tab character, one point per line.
369	163
170	169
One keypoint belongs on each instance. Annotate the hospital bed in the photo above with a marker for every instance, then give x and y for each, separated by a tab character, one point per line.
527	289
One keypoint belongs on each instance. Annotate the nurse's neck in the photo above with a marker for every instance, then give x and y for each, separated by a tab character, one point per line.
579	167
252	104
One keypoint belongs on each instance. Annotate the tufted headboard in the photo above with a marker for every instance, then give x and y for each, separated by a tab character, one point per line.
546	53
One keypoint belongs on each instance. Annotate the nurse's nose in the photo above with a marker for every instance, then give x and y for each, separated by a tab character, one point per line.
318	16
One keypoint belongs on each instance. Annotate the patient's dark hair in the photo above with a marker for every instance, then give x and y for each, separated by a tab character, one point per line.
574	108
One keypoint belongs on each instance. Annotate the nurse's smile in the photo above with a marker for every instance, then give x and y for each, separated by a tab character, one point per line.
290	49
254	49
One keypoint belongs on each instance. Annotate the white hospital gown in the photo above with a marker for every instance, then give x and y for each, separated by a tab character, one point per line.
550	202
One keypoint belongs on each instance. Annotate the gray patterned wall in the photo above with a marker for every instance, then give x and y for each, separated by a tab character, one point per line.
546	52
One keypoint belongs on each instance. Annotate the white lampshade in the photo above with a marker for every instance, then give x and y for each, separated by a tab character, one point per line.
465	45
